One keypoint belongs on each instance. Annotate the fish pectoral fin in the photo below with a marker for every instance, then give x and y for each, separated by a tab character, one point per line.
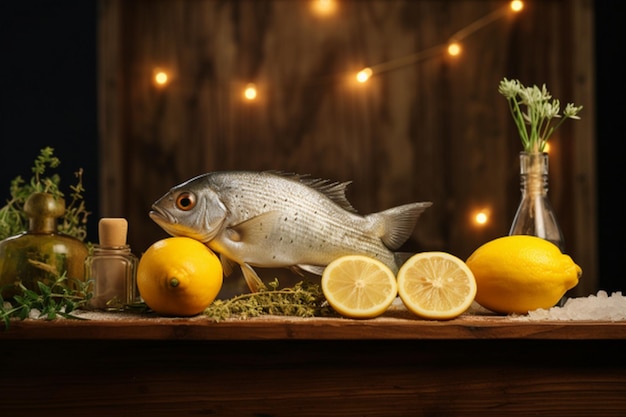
252	279
257	229
313	269
395	225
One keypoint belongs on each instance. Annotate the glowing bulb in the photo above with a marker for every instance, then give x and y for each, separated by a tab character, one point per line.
364	75
546	148
481	217
454	49
161	78
517	5
250	92
324	7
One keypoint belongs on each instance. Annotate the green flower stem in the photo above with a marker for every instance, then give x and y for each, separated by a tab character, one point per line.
534	110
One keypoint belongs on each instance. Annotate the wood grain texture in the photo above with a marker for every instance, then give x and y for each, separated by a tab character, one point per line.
394	365
313	378
391	326
435	130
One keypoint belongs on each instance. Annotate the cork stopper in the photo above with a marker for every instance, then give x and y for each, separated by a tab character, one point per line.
112	232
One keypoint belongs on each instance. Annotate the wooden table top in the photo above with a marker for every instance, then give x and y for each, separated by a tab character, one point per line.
396	364
392	325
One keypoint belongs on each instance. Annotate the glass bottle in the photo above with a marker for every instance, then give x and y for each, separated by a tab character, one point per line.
112	267
535	215
41	253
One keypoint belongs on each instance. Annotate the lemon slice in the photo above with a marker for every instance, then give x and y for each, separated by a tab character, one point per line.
358	286
436	285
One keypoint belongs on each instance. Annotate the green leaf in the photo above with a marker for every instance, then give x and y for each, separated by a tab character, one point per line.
13	220
44	289
58	298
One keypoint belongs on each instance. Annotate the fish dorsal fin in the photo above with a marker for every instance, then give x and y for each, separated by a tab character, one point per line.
334	190
291	175
394	226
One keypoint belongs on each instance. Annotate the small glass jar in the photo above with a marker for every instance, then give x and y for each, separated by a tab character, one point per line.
111	267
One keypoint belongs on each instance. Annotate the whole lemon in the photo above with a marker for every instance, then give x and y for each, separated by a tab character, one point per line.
179	276
516	274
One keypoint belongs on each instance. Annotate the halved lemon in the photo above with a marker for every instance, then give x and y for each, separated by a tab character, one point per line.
436	285
358	286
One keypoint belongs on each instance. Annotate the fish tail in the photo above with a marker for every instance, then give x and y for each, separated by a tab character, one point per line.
394	226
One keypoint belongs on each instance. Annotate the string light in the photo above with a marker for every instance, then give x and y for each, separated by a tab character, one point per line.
364	75
250	92
454	49
368	72
161	78
485	20
324	7
517	5
481	217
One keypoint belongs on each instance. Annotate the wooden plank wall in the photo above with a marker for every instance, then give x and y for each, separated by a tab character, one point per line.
433	129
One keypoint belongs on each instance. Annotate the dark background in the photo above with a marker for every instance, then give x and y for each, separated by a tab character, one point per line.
49	98
49	92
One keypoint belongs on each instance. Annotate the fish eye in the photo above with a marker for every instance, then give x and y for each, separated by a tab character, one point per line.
186	201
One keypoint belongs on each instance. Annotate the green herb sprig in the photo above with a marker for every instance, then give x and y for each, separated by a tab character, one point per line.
534	110
304	299
57	298
13	220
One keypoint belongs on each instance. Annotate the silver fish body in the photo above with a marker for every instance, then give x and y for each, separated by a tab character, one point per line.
269	219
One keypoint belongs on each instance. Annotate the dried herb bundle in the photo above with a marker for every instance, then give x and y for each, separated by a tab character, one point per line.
302	300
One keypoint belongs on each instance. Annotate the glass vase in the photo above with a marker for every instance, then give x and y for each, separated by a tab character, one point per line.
535	215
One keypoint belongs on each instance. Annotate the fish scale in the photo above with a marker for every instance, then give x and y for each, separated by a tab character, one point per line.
336	232
268	219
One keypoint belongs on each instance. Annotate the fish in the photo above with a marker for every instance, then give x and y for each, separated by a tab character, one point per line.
274	219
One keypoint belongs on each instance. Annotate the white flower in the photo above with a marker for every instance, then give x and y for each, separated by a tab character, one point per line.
547	110
572	111
509	88
533	110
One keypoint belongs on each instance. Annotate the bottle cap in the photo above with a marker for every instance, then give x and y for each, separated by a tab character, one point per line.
112	232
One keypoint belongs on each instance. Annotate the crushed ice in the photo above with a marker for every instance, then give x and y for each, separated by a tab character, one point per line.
594	307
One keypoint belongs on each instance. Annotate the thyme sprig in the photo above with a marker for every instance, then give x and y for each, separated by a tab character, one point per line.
57	298
534	110
13	220
304	299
